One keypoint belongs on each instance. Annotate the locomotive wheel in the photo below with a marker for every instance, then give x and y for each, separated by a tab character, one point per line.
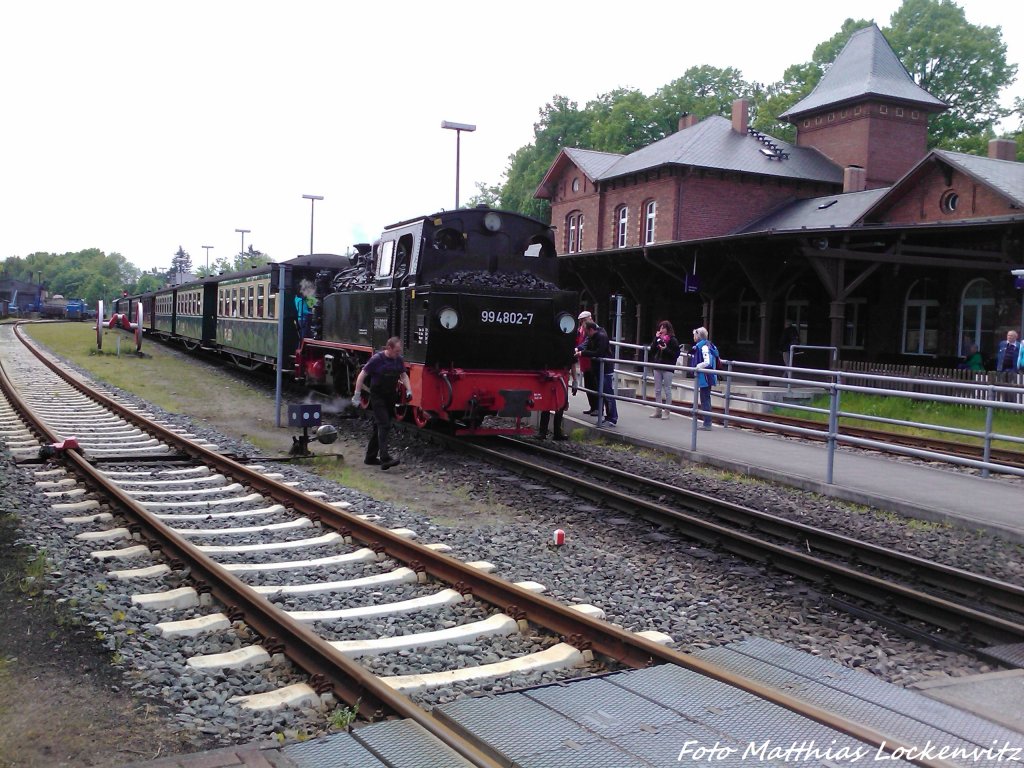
420	417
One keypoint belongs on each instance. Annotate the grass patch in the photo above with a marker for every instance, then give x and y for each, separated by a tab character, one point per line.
365	482
922	411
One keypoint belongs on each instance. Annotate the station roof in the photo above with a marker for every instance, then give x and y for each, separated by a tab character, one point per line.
1004	176
710	144
839	211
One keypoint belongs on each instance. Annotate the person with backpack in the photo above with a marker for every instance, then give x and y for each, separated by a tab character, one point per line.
705	360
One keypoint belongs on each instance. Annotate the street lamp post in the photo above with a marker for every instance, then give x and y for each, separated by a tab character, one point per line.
244	232
207	247
458	128
312	202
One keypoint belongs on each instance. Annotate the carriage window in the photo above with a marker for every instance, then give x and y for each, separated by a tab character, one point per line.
260	298
272	305
250	309
234	302
387	257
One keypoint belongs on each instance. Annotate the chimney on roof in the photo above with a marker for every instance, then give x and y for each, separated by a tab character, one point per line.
740	115
855	179
686	120
1002	149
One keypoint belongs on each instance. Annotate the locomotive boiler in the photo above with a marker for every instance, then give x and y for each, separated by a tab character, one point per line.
472	294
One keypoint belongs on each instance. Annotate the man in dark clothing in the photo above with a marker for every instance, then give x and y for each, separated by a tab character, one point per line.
790	337
597	346
385	371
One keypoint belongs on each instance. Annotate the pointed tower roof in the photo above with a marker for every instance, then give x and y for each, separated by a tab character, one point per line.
866	67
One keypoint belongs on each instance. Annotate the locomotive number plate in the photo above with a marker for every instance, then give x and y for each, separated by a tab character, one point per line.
506	318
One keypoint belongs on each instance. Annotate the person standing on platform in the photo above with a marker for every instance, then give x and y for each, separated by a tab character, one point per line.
385	371
664	351
1009	361
705	360
598	346
586	366
790	338
1009	354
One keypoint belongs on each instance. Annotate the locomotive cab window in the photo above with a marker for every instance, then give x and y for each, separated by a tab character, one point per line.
387	258
403	256
539	246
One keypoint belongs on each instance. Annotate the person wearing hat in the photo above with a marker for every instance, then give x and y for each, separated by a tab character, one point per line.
586	366
598	347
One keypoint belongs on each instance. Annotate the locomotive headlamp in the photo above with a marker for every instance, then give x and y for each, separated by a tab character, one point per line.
448	318
566	323
492	221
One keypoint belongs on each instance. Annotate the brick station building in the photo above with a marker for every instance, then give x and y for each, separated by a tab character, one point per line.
857	234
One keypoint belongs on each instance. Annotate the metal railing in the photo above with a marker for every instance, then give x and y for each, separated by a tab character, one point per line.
825	382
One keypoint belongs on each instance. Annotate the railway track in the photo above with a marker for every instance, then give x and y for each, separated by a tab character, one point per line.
197	495
966	612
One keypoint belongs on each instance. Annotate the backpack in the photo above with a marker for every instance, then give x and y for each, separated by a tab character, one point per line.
715	357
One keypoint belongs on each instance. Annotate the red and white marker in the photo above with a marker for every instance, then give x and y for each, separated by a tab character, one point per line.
558	537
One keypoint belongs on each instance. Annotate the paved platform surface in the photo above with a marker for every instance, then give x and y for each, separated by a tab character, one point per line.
884	481
999	696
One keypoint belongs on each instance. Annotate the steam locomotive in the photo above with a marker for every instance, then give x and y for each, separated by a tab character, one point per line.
472	294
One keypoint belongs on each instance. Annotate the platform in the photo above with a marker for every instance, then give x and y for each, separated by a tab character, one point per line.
906	487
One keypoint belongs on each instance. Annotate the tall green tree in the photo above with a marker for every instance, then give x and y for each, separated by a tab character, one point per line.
248	259
181	264
622	121
961	63
489	195
702	91
562	124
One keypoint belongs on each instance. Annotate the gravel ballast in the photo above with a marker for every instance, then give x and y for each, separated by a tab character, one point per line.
643	577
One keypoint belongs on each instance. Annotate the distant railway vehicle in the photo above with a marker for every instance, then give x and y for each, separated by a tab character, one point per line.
472	294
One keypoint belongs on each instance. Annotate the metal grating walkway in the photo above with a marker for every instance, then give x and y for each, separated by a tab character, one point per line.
666	715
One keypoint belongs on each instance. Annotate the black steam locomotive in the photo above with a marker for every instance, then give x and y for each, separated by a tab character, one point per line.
472	295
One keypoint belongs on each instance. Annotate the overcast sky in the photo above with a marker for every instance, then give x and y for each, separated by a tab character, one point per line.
136	127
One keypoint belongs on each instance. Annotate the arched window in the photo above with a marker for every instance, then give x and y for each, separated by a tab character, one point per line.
650	210
574	232
977	316
921	320
621	226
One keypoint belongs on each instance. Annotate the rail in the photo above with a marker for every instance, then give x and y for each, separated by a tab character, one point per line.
833	383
